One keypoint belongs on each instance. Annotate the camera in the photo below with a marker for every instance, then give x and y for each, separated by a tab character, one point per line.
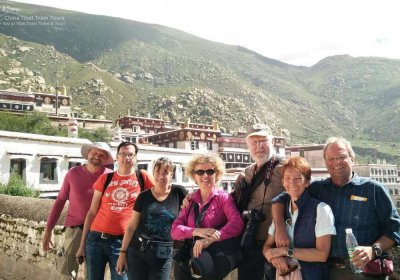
254	217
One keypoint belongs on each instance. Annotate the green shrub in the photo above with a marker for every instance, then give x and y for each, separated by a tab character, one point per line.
17	187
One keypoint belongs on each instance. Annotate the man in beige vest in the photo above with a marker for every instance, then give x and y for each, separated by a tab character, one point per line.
253	193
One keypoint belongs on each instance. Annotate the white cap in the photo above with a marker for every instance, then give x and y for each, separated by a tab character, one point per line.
349	230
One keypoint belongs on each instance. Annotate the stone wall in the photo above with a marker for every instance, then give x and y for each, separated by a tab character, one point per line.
22	222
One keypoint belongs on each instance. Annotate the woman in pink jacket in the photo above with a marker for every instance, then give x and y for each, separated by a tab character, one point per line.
210	225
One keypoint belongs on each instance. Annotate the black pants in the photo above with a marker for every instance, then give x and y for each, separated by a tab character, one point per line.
255	265
146	265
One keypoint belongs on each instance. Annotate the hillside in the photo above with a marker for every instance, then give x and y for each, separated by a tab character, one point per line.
110	65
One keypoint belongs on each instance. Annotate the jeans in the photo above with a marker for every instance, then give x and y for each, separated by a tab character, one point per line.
146	265
100	251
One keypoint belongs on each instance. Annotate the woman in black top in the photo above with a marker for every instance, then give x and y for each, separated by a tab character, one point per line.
146	251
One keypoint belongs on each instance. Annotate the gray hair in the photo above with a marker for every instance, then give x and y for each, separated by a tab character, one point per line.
339	140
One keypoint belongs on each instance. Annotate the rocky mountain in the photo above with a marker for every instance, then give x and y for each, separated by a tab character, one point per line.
110	65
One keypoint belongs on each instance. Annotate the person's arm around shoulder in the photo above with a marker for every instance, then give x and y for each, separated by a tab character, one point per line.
94	208
187	199
234	225
278	216
122	264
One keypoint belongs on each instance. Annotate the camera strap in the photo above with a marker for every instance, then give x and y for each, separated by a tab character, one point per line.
262	175
199	216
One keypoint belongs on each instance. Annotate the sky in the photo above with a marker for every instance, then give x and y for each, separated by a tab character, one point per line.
298	32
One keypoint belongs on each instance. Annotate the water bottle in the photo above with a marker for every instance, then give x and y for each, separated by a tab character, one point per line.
351	244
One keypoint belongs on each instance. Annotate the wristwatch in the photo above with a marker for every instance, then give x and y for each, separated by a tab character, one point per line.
290	252
377	250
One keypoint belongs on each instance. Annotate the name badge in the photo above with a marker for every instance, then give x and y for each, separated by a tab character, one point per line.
358	198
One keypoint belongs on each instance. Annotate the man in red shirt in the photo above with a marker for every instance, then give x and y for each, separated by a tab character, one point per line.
109	214
77	188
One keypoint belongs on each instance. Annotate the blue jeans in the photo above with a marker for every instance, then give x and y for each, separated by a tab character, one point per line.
99	252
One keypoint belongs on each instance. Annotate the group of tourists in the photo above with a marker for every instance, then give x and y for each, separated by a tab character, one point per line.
277	223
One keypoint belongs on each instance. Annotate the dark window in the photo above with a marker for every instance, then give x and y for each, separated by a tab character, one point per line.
174	174
18	166
48	170
143	166
184	178
73	164
194	145
209	145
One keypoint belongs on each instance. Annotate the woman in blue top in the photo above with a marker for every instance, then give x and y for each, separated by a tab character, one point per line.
310	226
146	251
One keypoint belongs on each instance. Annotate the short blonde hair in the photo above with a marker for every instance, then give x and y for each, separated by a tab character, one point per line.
213	159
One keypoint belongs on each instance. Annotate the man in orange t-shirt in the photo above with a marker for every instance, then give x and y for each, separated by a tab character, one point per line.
109	213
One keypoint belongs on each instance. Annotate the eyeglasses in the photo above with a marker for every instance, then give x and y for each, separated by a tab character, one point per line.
126	155
338	158
201	172
259	143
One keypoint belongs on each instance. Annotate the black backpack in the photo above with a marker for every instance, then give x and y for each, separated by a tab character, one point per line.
138	175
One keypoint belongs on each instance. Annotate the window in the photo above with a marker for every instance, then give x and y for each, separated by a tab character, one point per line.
194	145
143	166
18	166
302	153
48	170
184	178
209	145
174	174
73	164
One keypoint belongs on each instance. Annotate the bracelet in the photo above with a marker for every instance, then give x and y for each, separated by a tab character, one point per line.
122	251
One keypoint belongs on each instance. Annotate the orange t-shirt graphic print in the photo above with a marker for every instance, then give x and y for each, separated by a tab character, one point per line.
116	203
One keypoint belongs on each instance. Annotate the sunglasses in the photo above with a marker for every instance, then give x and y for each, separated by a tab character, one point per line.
201	172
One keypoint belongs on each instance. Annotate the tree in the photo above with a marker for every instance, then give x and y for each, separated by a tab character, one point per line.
32	122
97	135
